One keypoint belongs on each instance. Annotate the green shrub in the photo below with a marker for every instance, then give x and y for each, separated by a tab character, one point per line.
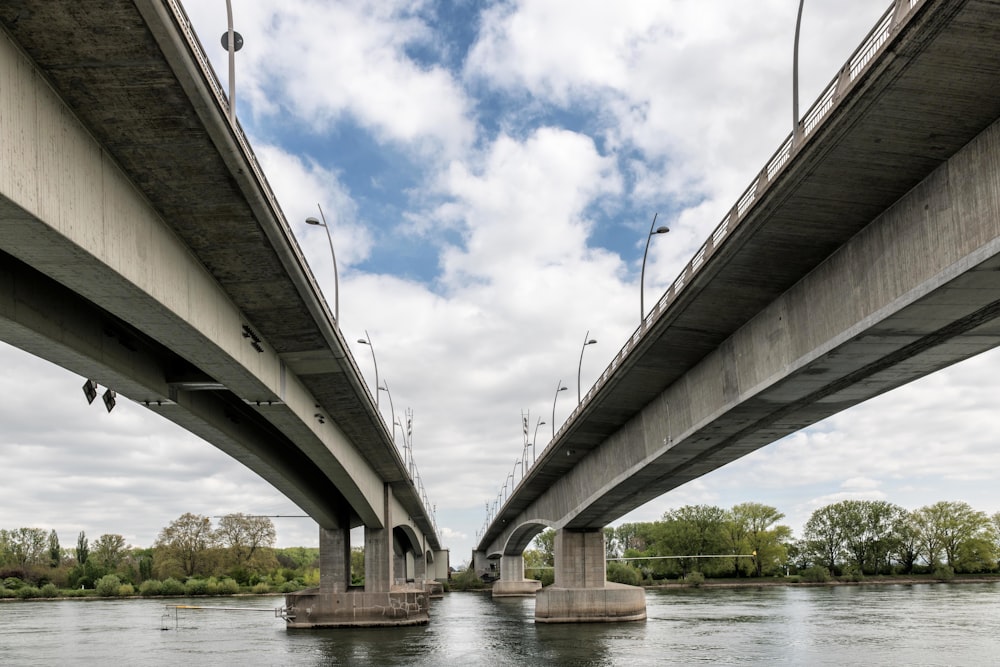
25	592
695	579
49	590
171	586
853	573
107	586
196	587
75	593
262	587
151	588
817	574
944	573
12	583
466	580
126	591
6	593
620	573
289	587
228	587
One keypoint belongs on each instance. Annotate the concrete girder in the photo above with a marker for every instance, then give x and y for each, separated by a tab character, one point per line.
916	290
70	213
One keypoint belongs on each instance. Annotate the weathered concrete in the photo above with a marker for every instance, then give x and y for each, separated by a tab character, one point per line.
869	258
581	593
99	191
141	246
512	582
614	603
314	609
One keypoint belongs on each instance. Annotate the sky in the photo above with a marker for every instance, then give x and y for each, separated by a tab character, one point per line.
490	171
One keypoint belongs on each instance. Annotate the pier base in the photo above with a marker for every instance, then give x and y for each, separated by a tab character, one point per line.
613	603
516	589
581	593
357	609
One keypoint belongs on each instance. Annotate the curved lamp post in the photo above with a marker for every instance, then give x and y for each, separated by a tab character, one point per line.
336	280
642	275
367	340
232	42
559	388
535	437
795	72
587	340
392	410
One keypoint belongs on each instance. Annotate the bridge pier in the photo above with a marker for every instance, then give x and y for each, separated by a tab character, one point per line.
337	604
581	592
512	582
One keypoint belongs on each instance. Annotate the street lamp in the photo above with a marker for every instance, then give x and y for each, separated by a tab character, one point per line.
392	410
232	42
367	340
559	388
535	437
642	275
587	340
336	281
795	73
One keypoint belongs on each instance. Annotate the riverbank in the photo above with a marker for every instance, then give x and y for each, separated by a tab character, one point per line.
874	580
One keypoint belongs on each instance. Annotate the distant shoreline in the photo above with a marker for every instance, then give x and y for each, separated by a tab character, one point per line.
875	580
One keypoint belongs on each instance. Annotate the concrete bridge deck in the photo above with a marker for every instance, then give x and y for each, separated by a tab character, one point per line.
910	99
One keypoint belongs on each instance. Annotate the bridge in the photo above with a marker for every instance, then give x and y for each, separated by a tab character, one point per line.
142	248
864	255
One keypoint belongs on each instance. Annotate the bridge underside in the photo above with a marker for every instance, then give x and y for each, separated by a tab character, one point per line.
914	292
863	261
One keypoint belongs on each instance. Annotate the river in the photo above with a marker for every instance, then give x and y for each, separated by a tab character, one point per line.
923	624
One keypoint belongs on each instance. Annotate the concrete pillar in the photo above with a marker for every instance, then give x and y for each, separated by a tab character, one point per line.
512	582
579	559
442	565
399	570
512	568
482	564
334	560
581	593
378	561
334	605
420	567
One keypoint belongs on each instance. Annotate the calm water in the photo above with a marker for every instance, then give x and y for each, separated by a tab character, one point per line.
924	624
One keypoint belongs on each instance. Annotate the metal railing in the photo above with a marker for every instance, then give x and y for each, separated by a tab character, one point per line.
856	65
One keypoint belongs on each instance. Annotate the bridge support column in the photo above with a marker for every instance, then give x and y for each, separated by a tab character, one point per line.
335	604
581	593
512	582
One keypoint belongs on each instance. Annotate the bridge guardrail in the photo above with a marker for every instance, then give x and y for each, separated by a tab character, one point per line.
856	65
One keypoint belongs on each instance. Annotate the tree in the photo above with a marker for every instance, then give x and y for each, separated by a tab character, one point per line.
26	546
691	531
750	529
947	527
610	543
110	552
545	543
824	538
243	535
906	545
185	542
82	548
867	529
55	553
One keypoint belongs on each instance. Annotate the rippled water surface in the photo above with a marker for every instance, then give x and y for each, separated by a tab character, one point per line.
925	624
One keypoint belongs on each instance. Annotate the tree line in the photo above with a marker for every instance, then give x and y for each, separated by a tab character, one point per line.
851	538
190	556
